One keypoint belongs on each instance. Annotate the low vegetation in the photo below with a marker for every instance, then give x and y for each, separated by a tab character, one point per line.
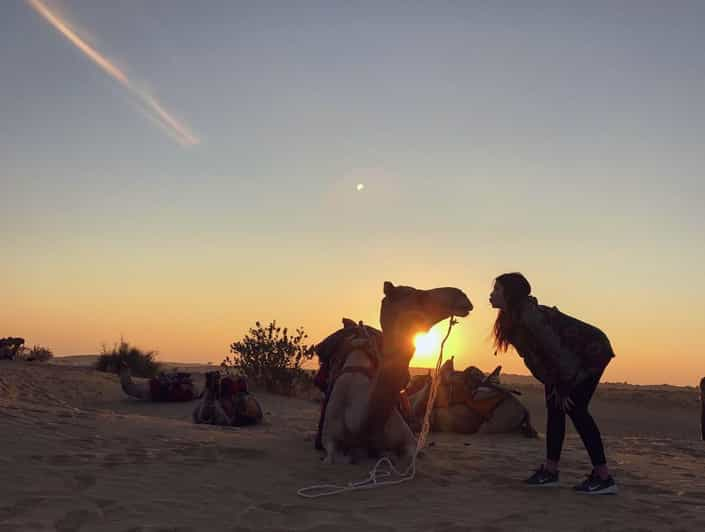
272	358
141	363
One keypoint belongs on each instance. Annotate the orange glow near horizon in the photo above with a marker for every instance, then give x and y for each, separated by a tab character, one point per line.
177	130
427	347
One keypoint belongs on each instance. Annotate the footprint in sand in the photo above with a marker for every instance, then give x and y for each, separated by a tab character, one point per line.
73	521
20	507
161	529
84	481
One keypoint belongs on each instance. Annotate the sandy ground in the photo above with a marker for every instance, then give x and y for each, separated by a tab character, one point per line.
79	455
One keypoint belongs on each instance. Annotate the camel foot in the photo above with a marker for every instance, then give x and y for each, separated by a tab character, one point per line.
335	456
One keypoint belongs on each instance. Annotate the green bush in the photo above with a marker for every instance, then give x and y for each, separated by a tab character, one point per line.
269	357
141	364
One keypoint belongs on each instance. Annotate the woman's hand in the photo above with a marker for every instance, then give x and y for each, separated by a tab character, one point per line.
564	404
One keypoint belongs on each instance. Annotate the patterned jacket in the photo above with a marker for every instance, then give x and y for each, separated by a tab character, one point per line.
558	349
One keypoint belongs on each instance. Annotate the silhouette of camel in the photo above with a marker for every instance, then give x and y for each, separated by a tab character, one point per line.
361	408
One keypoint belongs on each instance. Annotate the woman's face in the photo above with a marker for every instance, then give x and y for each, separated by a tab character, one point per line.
497	297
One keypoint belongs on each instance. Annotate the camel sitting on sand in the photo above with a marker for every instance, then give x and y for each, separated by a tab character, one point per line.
165	387
227	402
468	402
702	407
360	410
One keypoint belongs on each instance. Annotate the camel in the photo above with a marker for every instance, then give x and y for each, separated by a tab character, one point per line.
360	411
227	401
468	402
165	387
702	407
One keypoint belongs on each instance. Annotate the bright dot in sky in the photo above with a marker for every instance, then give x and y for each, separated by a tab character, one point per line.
360	187
427	344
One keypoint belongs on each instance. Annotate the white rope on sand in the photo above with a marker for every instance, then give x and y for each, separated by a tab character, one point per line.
390	472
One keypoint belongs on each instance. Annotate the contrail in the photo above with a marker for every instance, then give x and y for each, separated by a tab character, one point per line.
178	131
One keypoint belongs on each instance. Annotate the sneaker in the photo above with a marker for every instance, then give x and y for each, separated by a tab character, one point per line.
542	477
594	485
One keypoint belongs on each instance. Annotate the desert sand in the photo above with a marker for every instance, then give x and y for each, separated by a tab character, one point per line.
77	454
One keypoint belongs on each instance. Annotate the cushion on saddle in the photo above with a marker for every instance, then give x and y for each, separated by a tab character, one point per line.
485	407
171	387
233	385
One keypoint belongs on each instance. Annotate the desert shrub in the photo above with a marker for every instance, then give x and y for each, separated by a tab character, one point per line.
271	358
38	354
141	363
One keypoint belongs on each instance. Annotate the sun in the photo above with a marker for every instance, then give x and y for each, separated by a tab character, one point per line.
427	347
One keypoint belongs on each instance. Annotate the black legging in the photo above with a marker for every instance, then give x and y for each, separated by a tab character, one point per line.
584	424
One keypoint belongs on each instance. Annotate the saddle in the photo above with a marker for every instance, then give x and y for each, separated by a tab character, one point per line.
172	387
333	353
462	387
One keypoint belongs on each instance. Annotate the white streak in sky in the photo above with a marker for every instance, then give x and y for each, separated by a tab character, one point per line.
176	129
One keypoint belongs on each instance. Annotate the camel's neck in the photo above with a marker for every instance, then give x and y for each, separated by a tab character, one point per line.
140	391
397	350
397	346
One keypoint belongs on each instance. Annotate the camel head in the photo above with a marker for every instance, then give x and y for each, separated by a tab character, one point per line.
407	311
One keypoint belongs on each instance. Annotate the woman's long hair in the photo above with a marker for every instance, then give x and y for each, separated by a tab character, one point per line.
516	289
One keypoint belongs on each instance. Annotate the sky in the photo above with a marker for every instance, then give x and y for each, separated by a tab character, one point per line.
174	171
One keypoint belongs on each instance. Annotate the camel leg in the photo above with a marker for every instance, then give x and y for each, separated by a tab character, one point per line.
334	454
334	423
398	437
203	413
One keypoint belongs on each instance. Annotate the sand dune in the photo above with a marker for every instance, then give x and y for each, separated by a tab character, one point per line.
79	455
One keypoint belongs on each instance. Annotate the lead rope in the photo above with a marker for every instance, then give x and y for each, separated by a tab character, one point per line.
378	472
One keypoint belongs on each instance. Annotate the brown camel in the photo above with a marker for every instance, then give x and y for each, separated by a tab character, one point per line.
228	402
361	412
702	407
167	387
468	402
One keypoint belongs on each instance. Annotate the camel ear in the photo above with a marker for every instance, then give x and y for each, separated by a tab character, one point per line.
347	322
388	288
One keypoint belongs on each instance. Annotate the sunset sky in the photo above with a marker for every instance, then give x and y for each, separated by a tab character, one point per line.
173	171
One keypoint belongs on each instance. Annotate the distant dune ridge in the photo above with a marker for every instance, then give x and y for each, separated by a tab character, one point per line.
76	453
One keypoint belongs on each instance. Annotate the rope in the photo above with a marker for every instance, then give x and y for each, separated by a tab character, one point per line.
374	479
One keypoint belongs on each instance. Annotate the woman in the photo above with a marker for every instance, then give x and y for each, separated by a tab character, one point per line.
568	357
